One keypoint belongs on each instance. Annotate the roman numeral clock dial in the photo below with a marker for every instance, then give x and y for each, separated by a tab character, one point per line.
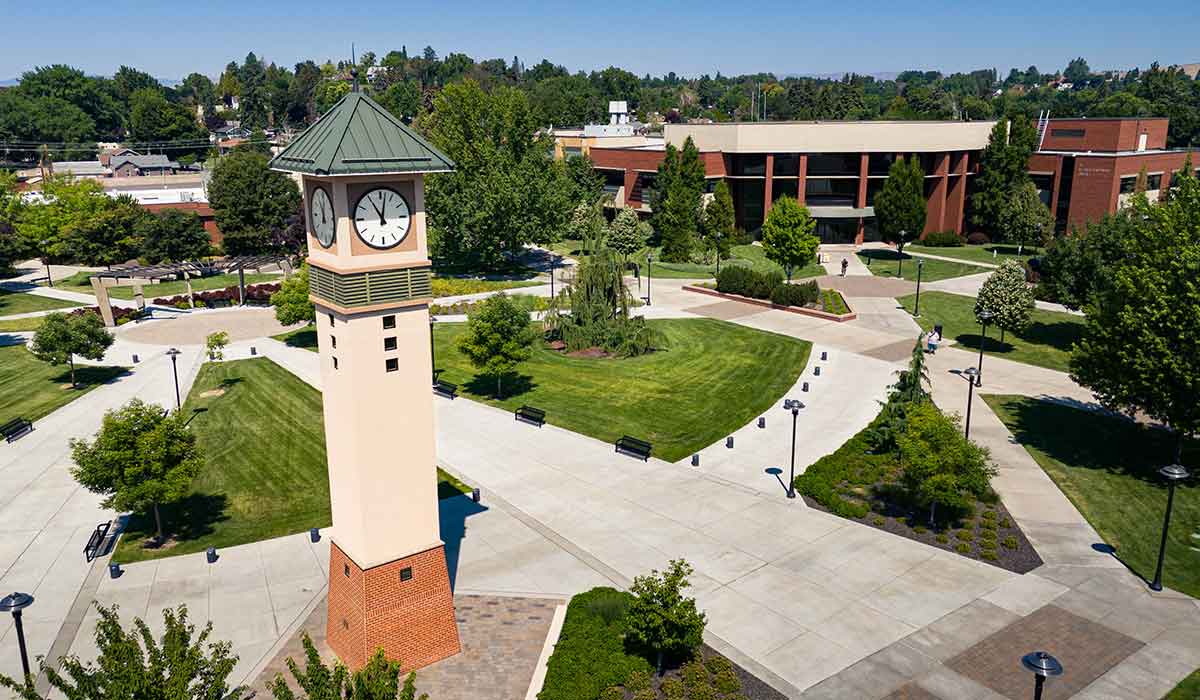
382	218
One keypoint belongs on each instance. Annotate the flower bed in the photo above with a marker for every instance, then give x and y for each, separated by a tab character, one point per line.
256	295
121	315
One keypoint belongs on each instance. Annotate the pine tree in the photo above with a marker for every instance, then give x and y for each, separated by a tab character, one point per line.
1003	167
900	205
719	227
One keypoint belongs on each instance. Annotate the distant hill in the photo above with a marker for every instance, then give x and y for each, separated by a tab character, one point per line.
882	75
167	82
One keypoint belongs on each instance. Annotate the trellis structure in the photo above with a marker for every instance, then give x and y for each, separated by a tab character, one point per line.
137	276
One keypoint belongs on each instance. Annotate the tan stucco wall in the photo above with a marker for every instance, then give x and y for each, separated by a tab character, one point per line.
832	137
344	192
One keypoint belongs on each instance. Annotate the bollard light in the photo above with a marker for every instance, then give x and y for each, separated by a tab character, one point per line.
817	371
824	355
253	351
135	358
696	460
804	386
211	555
314	534
475	495
729	442
762	421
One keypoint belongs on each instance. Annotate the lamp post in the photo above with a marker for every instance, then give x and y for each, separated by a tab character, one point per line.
917	305
970	374
649	262
1173	473
1042	665
553	264
718	253
432	353
46	262
794	406
15	603
984	317
900	256
174	354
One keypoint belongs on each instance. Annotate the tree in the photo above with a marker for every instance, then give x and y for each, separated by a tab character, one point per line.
1007	295
174	236
593	312
661	619
378	680
675	209
1026	220
587	222
12	247
1076	267
69	205
1138	351
787	235
941	467
586	183
900	204
141	458
214	345
402	99
720	231
181	665
112	236
153	118
627	234
291	301
1077	72
498	338
250	200
60	337
1003	166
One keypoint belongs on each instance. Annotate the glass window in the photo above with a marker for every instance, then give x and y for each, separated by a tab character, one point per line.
752	164
1154	182
710	184
833	164
391	364
787	165
831	193
1044	185
389	343
956	160
837	230
873	187
335	363
784	188
1128	184
929	162
331	319
880	163
572	151
389	321
333	339
747	203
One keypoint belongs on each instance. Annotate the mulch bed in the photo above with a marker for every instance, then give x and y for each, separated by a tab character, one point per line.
893	519
753	688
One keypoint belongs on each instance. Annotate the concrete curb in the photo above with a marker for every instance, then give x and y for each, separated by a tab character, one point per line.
824	315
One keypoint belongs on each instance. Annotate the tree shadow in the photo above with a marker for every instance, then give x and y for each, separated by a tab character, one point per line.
305	339
184	521
991	344
513	385
1061	335
11	339
883	254
452	522
88	375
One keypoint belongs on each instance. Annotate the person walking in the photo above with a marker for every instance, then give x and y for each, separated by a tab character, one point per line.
845	265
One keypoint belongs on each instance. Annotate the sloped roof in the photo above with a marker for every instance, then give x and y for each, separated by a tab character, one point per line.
359	137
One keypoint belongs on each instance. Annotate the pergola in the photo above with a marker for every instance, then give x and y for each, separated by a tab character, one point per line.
137	276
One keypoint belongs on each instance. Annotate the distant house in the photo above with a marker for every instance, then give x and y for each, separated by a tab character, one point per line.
229	132
81	168
106	155
138	166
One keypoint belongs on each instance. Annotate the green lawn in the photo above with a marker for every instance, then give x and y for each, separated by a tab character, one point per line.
79	282
303	337
23	302
264	469
749	255
707	379
1046	342
979	253
455	286
14	325
886	263
1106	466
32	389
1188	688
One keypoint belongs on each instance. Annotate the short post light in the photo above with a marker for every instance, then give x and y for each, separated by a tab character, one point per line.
46	262
917	305
649	264
900	255
970	374
793	405
985	317
15	603
174	354
1173	474
1042	665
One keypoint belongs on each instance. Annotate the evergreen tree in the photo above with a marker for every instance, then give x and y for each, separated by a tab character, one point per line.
675	202
900	208
719	228
1003	167
627	233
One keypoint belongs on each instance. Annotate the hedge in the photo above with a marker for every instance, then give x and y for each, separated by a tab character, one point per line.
590	654
801	294
748	282
942	239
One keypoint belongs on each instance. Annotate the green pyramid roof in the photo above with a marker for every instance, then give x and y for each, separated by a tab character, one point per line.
359	137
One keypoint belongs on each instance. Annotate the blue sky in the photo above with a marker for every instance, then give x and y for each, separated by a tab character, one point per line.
172	39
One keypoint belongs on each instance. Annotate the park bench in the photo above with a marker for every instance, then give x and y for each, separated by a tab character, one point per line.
92	549
529	414
634	447
446	389
15	428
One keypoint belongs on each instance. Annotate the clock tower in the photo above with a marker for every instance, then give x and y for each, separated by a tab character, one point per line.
362	175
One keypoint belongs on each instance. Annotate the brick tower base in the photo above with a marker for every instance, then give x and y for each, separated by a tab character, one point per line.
404	607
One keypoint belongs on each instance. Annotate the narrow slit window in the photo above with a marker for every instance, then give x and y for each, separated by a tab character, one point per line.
389	343
389	322
392	364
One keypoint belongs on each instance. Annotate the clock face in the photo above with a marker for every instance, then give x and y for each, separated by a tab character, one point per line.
382	218
320	211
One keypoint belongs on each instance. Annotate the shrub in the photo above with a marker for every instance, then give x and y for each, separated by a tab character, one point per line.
727	681
962	548
647	694
1005	523
988	515
673	689
978	238
800	294
716	664
878	521
988	526
943	538
988	536
1010	542
638	681
703	692
590	655
989	554
942	239
694	675
748	282
965	535
919	530
616	692
832	301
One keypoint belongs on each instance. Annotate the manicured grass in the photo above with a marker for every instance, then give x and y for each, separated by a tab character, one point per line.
23	302
1046	342
304	337
978	253
15	325
32	389
264	471
707	379
455	286
886	263
1188	688
832	301
79	282
1107	467
749	255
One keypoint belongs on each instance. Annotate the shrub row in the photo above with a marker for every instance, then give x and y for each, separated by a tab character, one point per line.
800	294
978	238
748	282
590	654
121	315
942	239
221	297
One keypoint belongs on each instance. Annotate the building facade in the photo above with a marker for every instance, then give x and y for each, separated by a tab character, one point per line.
834	168
1086	168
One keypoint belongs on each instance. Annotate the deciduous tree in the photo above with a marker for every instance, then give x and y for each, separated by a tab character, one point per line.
627	234
378	680
60	337
141	458
112	236
1007	295
174	236
787	235
249	201
499	337
291	301
661	618
1026	220
941	467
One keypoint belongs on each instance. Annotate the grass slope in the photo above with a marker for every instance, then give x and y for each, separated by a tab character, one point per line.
886	263
32	389
1106	466
455	286
265	472
707	379
22	303
1188	688
1046	342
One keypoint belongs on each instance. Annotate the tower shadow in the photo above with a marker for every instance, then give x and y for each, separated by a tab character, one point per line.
452	521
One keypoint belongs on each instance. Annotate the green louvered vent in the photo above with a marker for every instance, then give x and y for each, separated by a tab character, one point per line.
369	288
